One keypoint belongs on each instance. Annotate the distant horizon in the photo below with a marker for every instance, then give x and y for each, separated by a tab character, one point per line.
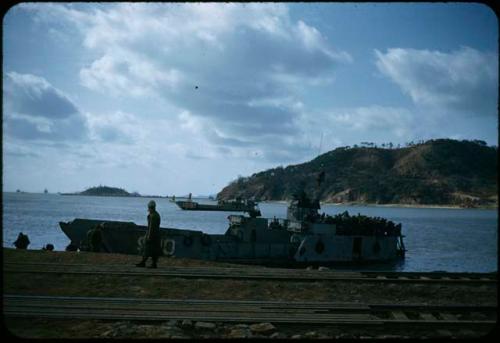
361	145
140	194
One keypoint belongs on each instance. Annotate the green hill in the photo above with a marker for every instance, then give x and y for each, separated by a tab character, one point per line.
436	172
105	191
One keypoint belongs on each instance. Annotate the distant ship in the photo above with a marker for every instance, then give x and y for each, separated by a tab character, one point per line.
45	191
233	206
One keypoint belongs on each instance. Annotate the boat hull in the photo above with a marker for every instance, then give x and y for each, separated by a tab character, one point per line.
254	244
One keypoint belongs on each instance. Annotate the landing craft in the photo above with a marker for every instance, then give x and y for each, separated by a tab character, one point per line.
230	206
304	237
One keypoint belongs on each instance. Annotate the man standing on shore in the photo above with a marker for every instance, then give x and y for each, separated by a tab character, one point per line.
95	238
152	242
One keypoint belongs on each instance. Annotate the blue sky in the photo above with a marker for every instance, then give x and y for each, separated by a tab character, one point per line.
177	98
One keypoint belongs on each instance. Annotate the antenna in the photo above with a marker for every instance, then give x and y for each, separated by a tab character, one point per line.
320	143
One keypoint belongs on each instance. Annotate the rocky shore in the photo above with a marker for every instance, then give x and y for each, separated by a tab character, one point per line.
186	329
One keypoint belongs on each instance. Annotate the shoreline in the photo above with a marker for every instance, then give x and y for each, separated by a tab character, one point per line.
449	206
97	195
285	202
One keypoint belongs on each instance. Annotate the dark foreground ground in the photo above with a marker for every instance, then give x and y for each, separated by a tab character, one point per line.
218	289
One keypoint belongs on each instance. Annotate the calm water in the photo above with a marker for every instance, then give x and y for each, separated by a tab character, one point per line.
458	240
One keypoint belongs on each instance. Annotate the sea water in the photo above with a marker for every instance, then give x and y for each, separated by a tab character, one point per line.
436	239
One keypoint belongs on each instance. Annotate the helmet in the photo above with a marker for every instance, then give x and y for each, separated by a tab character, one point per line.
151	204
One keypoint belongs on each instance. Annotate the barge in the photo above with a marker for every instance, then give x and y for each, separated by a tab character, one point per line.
230	206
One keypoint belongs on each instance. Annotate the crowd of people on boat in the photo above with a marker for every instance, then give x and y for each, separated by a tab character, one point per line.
362	225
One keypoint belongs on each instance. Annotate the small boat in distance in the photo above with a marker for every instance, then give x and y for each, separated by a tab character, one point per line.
237	205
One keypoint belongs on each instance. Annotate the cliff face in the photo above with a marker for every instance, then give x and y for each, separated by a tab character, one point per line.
439	172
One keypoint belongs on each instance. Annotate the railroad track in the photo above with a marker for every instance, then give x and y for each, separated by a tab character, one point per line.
254	273
135	309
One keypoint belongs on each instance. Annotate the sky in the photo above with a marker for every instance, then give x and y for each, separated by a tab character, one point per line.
173	98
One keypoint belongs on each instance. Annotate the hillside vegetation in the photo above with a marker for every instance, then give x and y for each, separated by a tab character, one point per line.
436	172
106	191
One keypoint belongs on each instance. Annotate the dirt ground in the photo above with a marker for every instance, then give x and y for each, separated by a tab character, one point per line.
220	289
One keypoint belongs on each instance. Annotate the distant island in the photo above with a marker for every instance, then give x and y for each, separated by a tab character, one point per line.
442	172
105	191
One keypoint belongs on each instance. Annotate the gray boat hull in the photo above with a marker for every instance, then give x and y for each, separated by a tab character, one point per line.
251	242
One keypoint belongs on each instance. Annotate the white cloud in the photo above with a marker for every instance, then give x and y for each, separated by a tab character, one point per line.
312	40
228	65
37	115
32	95
116	127
129	74
334	127
17	150
465	79
35	110
397	121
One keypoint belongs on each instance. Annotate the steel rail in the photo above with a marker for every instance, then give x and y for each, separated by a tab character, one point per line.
260	274
247	311
276	270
